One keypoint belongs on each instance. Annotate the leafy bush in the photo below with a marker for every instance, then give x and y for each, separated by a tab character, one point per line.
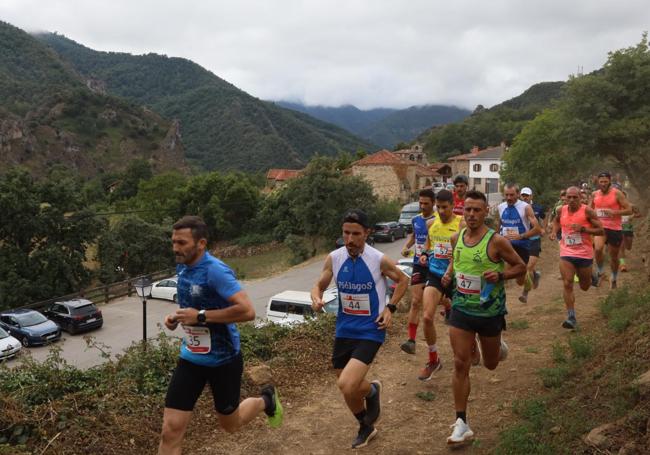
299	249
253	239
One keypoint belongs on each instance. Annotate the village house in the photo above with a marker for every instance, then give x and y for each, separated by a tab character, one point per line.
482	167
278	177
415	153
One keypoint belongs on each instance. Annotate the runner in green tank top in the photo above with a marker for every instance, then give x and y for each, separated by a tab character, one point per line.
479	302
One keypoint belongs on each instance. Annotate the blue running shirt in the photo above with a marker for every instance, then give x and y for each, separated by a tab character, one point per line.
362	294
420	232
206	286
513	219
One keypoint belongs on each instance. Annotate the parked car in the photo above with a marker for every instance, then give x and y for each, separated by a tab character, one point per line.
9	346
408	212
437	186
75	315
407	269
30	327
389	230
165	289
292	307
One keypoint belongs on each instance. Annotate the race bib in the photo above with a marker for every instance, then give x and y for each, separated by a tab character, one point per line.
468	284
510	230
442	251
355	304
575	238
197	339
419	249
602	213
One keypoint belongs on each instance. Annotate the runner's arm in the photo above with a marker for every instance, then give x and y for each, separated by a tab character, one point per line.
410	240
556	227
389	269
506	252
320	286
597	228
535	229
626	207
240	310
446	278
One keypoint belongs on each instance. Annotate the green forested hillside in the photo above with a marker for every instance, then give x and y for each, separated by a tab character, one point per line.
49	117
487	127
222	126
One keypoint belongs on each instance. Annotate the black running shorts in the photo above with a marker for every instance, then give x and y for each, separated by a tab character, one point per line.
486	327
613	238
524	253
351	348
535	247
435	281
419	274
189	379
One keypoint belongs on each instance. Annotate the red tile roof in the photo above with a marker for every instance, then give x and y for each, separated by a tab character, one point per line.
282	174
382	157
423	170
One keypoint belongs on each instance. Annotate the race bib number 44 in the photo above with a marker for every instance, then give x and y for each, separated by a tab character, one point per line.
509	230
197	339
468	284
355	304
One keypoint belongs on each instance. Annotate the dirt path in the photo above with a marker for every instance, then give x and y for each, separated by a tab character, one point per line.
318	422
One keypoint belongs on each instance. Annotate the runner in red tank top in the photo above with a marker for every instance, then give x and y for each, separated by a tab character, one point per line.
610	204
578	223
461	182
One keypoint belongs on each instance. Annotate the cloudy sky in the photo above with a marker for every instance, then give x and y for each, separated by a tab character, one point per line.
370	53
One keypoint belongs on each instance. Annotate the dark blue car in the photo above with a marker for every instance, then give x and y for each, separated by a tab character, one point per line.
30	327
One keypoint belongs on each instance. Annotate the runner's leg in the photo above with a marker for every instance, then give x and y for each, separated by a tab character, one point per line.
353	385
568	271
462	342
175	424
490	350
416	309
247	411
614	262
584	277
430	302
599	254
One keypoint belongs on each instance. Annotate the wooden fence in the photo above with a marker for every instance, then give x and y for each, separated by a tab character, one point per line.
104	294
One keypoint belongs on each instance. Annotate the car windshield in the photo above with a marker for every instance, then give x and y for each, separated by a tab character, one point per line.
31	318
380	227
3	334
409	214
83	310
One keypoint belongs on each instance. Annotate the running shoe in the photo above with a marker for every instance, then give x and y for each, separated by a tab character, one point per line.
408	346
366	433
570	323
594	281
536	277
503	352
460	434
274	413
373	405
429	369
523	298
612	284
623	268
528	282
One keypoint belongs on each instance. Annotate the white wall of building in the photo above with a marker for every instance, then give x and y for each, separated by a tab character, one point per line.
485	172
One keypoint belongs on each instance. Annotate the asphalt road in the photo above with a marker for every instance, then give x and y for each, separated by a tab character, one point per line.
123	317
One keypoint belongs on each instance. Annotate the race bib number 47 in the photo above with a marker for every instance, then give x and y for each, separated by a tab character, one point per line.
574	238
197	339
468	284
355	304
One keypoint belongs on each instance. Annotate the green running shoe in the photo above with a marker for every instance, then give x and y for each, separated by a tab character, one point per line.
275	413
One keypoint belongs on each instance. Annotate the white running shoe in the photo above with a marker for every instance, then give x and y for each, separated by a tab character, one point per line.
461	433
503	352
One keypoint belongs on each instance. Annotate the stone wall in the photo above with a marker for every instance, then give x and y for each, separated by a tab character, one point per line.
384	180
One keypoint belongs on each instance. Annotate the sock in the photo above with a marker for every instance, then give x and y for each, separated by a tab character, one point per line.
413	329
614	275
571	313
600	268
373	391
361	416
461	415
433	353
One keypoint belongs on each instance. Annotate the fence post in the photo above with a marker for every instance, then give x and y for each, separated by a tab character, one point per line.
106	300
129	288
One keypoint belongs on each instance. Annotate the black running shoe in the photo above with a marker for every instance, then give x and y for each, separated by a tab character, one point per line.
570	323
408	346
373	405
366	433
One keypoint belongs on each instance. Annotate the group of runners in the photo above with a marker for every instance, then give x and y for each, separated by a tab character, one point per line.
460	265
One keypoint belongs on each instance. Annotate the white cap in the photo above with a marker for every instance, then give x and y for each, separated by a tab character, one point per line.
527	191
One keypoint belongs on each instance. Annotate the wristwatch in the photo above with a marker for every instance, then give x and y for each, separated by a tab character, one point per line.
392	307
201	317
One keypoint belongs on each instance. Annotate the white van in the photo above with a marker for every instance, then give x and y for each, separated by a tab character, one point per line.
408	212
291	307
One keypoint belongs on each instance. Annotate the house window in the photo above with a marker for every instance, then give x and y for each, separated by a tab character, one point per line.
494	167
477	182
412	157
477	168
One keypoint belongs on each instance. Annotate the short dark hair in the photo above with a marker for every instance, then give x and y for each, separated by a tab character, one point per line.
196	224
476	195
356	216
461	178
445	196
427	192
605	174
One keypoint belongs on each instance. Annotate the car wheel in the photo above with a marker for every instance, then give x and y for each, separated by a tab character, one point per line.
392	237
71	329
25	342
174	298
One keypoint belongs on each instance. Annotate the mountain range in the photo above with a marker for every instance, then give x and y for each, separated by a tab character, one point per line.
383	126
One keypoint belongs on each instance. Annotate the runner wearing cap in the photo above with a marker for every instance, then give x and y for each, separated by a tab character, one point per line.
610	205
526	195
578	223
419	276
461	183
359	272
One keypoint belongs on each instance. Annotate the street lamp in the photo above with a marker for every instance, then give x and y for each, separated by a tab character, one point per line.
143	288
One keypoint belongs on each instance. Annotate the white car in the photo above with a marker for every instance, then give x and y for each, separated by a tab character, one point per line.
9	346
291	307
165	289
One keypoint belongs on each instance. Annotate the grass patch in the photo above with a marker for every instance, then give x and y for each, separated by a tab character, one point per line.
554	377
581	347
261	265
426	396
518	325
531	350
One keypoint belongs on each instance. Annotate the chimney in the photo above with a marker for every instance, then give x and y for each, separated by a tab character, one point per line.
475	150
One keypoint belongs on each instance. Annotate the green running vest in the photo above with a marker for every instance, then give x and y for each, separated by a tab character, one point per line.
469	264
